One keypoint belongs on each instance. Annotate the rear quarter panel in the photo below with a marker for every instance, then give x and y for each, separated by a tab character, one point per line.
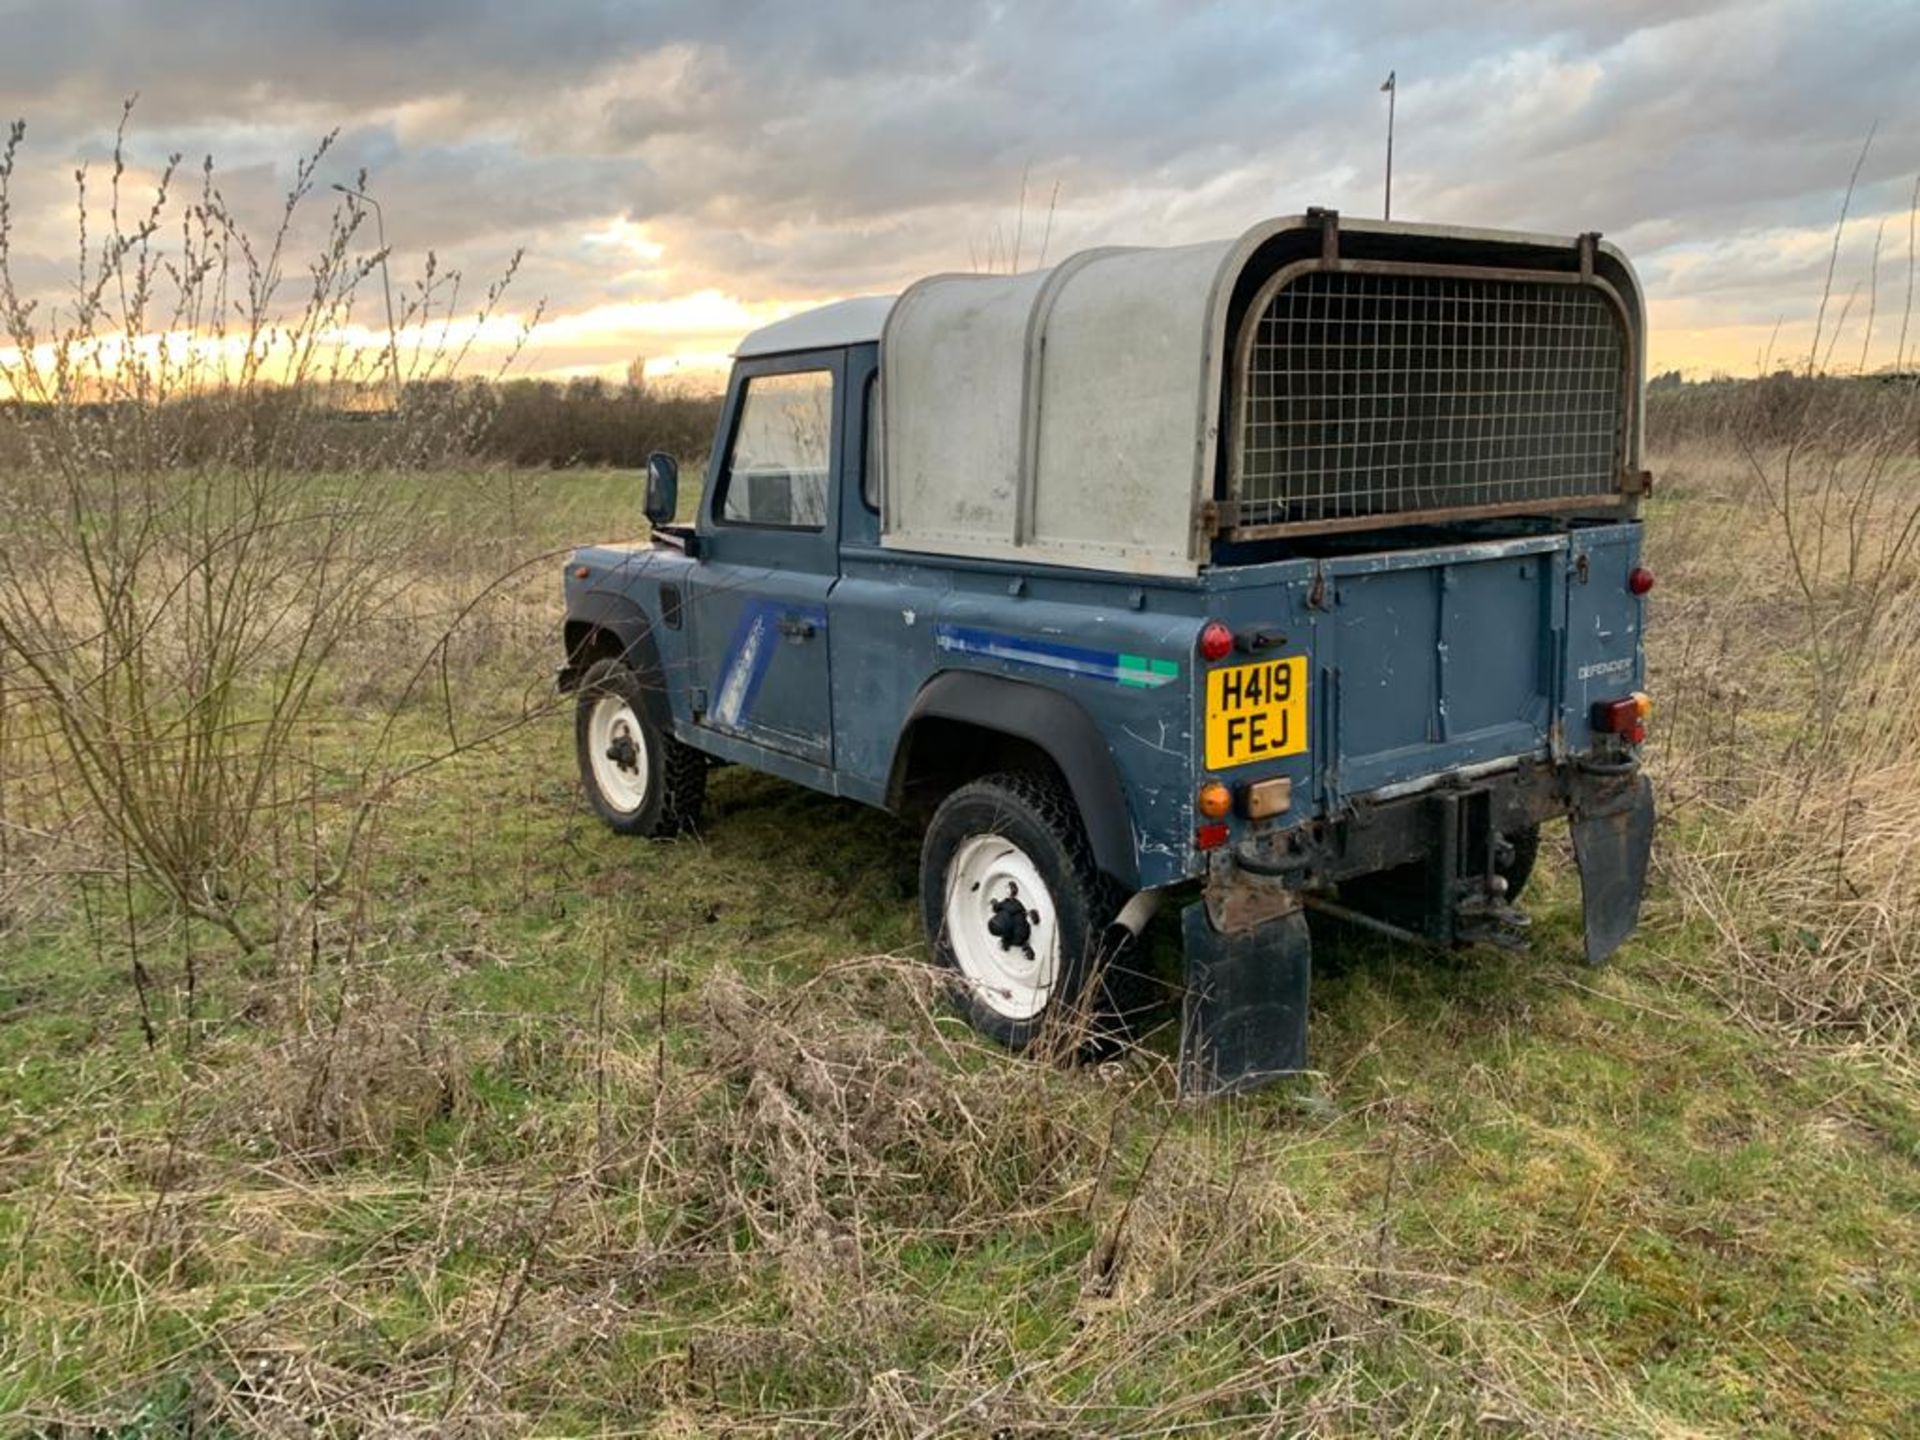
1122	651
1605	627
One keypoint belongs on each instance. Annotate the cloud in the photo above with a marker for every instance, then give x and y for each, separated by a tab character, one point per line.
773	153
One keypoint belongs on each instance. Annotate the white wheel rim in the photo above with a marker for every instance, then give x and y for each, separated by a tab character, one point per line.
618	753
1013	973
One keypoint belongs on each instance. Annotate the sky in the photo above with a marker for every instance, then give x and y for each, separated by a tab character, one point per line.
677	173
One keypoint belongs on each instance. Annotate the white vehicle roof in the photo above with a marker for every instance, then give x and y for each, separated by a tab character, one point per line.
845	322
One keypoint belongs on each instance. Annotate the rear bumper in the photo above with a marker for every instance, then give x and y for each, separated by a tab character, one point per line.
1400	826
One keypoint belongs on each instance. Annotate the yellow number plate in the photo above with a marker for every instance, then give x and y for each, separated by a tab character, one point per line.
1256	712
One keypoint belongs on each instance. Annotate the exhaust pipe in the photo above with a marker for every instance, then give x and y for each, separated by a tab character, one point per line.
1131	920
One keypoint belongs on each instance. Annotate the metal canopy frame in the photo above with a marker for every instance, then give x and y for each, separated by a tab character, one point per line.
1234	518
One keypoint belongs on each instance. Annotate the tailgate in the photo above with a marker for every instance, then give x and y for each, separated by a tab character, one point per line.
1413	663
1435	659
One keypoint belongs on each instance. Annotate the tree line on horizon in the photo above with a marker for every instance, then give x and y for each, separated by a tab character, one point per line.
592	422
580	422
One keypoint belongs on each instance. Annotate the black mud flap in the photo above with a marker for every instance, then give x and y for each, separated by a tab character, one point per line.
1612	844
1244	1020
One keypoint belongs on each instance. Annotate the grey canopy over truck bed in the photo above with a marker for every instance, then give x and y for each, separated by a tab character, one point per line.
1129	408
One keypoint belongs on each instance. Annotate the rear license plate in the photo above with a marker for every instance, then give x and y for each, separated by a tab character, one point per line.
1256	712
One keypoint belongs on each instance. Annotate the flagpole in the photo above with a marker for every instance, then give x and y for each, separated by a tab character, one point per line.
1393	94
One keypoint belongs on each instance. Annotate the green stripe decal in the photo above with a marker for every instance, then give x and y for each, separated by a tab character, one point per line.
1146	673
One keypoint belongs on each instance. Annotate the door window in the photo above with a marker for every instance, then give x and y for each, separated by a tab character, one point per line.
777	474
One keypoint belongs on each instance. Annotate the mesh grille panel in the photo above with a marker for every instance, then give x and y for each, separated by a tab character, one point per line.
1379	394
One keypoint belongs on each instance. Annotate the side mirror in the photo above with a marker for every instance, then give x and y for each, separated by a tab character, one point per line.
663	488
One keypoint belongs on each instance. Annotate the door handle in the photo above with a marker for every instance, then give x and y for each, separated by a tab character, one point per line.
796	629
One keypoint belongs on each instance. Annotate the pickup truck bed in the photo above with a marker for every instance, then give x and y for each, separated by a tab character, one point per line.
1415	668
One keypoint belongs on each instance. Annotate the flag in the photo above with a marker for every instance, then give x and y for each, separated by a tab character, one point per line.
1389	84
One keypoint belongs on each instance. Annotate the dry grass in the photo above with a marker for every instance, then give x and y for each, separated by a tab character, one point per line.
751	1222
530	1129
1793	780
1789	532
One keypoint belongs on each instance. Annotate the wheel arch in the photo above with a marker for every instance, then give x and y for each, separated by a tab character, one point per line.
963	724
612	627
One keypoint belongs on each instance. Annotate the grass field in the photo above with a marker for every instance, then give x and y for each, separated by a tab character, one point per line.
525	1127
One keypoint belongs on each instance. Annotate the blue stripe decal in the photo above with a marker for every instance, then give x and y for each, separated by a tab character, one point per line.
755	641
1132	670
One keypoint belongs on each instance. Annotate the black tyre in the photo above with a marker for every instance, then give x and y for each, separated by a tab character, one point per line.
1016	908
638	779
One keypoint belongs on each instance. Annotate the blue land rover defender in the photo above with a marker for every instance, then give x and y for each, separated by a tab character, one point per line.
1295	571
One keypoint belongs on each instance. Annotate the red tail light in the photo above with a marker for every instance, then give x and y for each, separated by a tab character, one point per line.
1640	580
1216	641
1209	837
1626	718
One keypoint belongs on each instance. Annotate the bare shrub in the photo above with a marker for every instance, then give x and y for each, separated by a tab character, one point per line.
193	532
